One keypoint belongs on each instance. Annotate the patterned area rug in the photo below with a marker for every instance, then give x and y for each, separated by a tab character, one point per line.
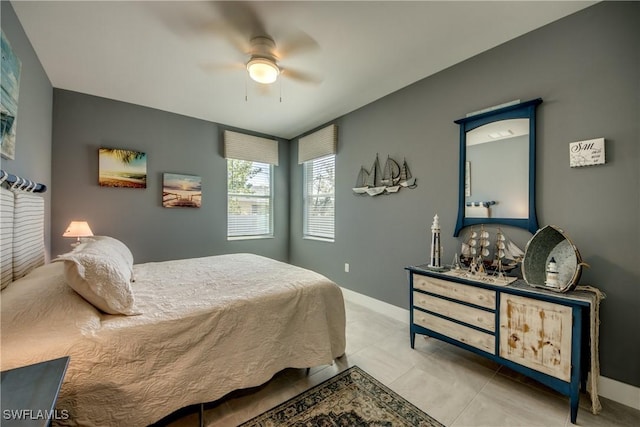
351	398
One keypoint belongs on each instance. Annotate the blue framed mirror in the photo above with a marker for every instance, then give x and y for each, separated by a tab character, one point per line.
498	167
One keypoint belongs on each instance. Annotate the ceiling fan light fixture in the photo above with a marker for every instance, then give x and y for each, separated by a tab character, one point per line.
263	70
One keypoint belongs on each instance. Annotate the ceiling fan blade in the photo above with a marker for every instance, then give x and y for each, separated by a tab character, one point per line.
242	17
210	68
301	76
296	43
184	22
199	20
222	29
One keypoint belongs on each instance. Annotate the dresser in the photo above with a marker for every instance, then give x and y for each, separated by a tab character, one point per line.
539	333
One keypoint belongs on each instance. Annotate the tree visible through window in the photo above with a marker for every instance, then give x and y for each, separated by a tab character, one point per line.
319	198
249	201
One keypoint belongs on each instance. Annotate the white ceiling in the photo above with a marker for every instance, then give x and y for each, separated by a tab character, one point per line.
178	56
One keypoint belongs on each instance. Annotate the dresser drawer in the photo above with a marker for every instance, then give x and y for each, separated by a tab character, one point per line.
472	337
470	294
470	315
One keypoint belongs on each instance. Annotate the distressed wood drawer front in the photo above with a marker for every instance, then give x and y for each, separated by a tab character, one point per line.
470	294
464	313
536	334
458	332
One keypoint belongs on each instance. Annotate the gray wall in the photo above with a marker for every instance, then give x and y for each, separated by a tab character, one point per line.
173	143
35	104
586	68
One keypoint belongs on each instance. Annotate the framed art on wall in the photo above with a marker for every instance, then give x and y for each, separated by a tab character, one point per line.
181	191
122	168
10	86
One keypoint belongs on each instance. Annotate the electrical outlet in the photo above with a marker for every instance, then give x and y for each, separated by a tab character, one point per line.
346	267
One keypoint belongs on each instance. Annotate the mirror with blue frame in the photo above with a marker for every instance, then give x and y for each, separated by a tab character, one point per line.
497	167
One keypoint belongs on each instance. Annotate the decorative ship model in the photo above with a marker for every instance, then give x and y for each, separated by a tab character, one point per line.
388	180
475	255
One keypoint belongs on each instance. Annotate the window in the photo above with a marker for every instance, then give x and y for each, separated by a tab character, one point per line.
317	154
249	199
250	165
319	198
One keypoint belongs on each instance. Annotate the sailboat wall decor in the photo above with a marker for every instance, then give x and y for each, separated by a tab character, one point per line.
390	179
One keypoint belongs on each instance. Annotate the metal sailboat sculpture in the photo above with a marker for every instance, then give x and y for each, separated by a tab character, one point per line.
374	183
361	182
391	176
406	180
388	180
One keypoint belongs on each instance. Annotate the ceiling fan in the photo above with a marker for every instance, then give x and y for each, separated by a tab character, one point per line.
242	25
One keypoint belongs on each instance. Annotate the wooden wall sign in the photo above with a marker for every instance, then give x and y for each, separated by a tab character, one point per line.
586	153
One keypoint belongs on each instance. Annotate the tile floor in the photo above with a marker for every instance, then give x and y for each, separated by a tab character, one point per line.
455	386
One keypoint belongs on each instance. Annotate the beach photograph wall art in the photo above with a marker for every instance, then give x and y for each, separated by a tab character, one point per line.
122	168
10	86
181	191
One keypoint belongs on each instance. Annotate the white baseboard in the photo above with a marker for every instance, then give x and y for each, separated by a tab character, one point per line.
620	392
376	305
608	388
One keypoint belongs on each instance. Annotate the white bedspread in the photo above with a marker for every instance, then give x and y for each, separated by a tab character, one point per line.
208	326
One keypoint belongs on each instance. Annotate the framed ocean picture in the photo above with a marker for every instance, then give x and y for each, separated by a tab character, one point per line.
181	191
10	86
122	168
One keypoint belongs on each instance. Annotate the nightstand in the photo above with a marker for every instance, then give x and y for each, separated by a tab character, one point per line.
29	393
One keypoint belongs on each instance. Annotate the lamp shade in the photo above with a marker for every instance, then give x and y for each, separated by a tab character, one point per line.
263	70
78	229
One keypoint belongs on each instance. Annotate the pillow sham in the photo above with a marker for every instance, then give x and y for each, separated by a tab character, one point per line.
100	272
116	245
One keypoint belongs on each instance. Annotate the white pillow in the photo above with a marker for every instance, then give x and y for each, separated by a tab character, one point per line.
101	274
116	245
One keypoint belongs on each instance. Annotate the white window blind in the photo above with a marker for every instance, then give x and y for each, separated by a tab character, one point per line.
319	198
250	161
318	144
249	199
241	146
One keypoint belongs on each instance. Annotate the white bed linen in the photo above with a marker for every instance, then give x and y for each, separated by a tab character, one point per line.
208	326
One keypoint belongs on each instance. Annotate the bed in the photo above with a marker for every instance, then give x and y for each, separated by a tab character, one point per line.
196	330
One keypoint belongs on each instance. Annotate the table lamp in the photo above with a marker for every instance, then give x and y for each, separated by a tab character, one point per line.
78	229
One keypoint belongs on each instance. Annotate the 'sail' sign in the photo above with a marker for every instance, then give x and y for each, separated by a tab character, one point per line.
586	153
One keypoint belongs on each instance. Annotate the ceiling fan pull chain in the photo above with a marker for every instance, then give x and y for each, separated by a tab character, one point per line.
280	90
246	97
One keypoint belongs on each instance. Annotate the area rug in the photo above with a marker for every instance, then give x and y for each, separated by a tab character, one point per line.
350	398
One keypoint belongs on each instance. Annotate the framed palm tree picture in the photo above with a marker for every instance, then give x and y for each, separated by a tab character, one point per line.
122	168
